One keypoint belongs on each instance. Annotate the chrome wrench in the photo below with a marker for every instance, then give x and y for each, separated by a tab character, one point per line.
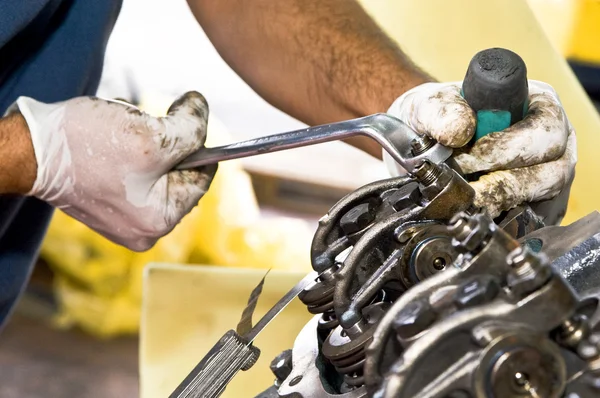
392	134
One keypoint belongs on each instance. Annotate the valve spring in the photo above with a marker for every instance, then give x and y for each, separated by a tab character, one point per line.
321	304
351	367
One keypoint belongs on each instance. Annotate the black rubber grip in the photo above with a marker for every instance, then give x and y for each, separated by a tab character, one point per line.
496	80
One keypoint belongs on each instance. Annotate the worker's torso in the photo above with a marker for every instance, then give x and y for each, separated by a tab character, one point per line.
50	50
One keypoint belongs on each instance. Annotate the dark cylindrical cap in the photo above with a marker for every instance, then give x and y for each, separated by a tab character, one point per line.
497	80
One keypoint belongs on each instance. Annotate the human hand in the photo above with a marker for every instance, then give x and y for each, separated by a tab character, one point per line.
110	166
531	161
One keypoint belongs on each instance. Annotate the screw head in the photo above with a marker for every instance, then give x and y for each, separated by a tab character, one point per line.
404	197
357	218
413	319
281	366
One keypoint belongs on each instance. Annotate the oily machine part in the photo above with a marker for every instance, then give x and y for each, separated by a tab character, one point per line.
421	294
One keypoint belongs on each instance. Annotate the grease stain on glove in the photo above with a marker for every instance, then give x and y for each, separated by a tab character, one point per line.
532	161
110	166
439	111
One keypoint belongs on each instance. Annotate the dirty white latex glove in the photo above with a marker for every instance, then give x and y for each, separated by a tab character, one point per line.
110	166
531	161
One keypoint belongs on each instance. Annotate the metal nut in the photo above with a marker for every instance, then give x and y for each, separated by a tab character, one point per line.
476	238
476	292
404	197
470	233
460	226
420	144
413	319
529	271
281	366
573	331
357	219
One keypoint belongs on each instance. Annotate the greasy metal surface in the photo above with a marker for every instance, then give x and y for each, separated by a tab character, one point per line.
574	251
557	240
392	134
374	259
521	221
481	320
417	293
330	240
304	380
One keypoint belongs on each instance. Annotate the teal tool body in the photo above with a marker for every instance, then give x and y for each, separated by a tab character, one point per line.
495	86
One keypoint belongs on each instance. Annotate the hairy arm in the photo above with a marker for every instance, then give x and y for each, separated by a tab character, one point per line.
17	160
319	61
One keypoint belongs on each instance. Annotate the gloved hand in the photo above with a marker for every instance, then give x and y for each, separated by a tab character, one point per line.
531	161
110	166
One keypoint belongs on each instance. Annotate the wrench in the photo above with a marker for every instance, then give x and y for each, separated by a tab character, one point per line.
393	135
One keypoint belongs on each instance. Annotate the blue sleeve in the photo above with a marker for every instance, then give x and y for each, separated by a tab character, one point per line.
50	50
19	246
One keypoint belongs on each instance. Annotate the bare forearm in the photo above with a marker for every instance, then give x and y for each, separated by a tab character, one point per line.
318	60
17	160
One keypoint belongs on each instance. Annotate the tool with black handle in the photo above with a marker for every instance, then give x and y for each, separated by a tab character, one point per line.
495	86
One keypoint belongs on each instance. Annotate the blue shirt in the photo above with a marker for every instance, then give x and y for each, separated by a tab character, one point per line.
50	50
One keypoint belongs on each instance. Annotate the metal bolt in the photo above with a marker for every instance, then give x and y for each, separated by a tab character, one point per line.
421	144
413	319
427	173
573	331
529	271
404	197
460	225
470	232
357	219
476	292
281	366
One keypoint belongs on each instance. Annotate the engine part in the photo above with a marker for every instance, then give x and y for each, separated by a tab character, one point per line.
420	294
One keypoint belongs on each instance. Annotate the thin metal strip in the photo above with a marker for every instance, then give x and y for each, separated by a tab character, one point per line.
281	304
245	324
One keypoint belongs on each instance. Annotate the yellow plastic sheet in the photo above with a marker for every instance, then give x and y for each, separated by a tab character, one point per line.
572	26
99	284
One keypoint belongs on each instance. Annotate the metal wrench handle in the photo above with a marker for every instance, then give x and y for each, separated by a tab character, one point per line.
392	134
